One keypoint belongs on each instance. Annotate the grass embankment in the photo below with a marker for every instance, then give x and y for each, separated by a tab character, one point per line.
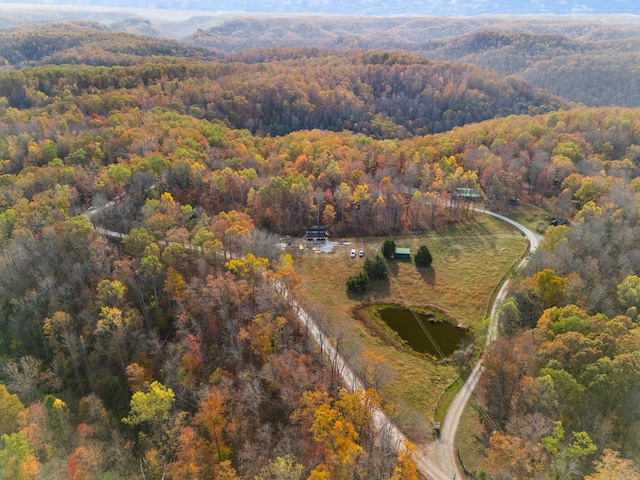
468	262
534	218
446	398
468	444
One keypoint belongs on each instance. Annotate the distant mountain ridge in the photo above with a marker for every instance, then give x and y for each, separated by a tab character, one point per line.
585	60
446	8
594	60
85	42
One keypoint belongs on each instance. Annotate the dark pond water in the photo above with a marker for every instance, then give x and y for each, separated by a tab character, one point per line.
446	335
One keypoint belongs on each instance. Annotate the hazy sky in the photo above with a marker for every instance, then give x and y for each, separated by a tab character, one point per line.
374	7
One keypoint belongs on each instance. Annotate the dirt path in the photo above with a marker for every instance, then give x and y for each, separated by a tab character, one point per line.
428	465
435	460
443	451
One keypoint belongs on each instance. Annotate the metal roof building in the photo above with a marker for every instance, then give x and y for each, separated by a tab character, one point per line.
469	194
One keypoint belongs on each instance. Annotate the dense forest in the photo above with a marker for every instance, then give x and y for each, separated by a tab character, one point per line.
586	60
592	72
168	353
583	59
388	95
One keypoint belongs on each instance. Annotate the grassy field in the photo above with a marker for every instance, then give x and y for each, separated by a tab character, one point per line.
468	441
468	263
534	218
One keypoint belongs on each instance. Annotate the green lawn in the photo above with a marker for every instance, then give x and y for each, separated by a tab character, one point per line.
468	263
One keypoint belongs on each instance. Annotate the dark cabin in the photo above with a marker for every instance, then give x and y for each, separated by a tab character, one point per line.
316	235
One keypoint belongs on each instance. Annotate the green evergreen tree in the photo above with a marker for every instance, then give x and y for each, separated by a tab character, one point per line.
423	257
388	248
376	268
358	281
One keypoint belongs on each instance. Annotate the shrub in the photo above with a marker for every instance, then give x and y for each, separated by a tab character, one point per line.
388	247
376	268
358	281
423	257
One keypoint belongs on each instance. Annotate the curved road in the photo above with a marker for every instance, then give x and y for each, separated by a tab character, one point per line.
435	460
443	450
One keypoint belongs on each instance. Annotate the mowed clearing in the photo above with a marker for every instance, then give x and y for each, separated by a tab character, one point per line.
469	261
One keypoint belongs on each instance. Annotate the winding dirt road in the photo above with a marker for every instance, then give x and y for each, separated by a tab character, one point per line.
435	460
443	451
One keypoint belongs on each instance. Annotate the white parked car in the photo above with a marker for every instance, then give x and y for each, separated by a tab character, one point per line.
353	253
362	252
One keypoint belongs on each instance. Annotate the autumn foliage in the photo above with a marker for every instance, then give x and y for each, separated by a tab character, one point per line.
140	210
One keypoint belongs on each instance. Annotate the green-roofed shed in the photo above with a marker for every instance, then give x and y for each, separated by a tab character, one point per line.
469	194
402	253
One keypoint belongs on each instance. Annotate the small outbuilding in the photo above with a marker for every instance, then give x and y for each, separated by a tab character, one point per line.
469	194
402	253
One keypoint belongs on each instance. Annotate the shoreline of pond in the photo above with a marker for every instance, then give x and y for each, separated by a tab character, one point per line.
370	316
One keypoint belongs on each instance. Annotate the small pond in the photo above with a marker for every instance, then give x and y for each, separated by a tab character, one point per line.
446	335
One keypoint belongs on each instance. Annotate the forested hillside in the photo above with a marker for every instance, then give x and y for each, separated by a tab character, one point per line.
159	356
169	354
381	94
591	61
593	72
87	43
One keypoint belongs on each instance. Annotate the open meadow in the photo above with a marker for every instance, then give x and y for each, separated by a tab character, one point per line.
469	261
